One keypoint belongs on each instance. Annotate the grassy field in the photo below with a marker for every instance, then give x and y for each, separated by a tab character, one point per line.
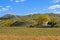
16	33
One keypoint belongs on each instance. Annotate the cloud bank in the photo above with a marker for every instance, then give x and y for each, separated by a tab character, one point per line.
54	6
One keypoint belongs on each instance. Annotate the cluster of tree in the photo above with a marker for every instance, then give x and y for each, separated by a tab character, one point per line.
44	19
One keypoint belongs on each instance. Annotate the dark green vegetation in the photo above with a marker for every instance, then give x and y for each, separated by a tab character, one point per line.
32	20
52	23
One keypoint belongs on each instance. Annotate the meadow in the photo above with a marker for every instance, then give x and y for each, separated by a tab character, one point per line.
18	33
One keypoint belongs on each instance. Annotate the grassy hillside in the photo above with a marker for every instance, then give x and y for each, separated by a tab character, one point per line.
26	20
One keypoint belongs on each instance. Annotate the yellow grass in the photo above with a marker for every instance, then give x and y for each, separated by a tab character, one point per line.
16	33
29	37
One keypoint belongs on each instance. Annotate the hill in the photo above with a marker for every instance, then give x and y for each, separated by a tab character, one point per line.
25	20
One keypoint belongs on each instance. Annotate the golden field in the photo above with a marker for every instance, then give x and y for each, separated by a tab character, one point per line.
17	33
29	37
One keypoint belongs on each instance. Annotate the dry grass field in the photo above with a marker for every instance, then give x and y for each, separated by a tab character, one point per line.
16	33
29	37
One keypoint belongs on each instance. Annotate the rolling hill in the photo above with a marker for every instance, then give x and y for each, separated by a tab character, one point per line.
25	20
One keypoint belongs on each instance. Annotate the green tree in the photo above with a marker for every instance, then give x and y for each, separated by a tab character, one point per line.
42	18
53	22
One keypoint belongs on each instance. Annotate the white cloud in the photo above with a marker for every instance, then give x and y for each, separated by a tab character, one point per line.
54	6
8	6
17	0
5	8
55	10
56	1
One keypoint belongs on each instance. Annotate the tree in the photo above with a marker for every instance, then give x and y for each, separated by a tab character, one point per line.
53	22
42	18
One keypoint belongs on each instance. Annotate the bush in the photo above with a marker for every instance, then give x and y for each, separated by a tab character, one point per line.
52	22
31	26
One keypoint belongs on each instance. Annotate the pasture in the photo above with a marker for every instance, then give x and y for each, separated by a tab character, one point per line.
17	33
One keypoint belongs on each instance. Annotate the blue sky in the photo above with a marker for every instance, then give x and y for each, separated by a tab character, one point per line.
24	7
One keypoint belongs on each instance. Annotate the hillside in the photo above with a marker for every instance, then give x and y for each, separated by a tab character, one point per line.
23	20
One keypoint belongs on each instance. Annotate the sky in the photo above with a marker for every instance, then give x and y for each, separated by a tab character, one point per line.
25	7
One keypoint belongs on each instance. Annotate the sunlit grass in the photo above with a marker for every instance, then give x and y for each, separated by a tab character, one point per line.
30	37
30	31
20	33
